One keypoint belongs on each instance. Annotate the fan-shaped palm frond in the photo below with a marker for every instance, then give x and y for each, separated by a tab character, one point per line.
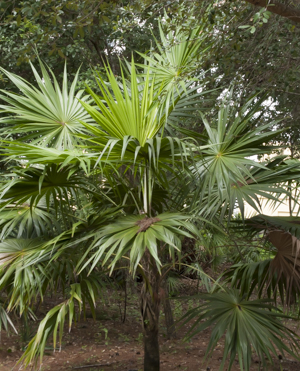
24	270
257	223
136	235
48	115
25	284
232	143
23	221
246	324
124	114
176	64
265	183
25	154
53	184
226	175
178	53
251	277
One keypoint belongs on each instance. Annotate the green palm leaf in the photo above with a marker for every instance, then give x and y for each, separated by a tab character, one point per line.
226	160
80	293
225	176
25	284
135	235
5	320
27	222
51	183
176	63
245	324
126	113
48	115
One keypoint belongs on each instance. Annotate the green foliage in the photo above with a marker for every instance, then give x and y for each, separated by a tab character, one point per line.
176	64
48	116
84	33
27	222
55	319
246	324
92	32
138	234
50	184
125	108
225	177
5	320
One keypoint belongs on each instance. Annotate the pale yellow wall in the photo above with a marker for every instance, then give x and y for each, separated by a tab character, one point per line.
282	209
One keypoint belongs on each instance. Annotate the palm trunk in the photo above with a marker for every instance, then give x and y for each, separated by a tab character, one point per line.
150	307
151	349
151	291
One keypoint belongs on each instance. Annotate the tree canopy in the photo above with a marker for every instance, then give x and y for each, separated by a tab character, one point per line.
251	45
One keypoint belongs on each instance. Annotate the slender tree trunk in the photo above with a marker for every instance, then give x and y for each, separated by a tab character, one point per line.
131	284
150	308
169	319
290	185
151	349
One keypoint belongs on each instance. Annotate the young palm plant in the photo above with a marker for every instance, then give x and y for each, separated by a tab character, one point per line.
126	162
124	190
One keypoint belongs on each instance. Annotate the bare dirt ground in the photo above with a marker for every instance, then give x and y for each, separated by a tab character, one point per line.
108	344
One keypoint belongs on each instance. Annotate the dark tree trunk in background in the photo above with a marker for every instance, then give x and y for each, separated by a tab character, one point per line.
131	284
169	319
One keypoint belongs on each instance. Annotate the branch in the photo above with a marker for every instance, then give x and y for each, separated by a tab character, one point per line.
96	365
283	10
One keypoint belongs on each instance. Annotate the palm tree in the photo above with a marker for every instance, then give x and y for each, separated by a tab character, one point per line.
117	186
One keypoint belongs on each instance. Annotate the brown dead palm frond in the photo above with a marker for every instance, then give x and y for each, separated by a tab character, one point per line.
286	264
280	274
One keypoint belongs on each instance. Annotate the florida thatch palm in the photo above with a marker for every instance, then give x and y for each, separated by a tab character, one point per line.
125	144
129	169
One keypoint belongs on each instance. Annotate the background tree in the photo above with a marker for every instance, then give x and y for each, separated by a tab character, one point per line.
252	47
256	50
85	34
